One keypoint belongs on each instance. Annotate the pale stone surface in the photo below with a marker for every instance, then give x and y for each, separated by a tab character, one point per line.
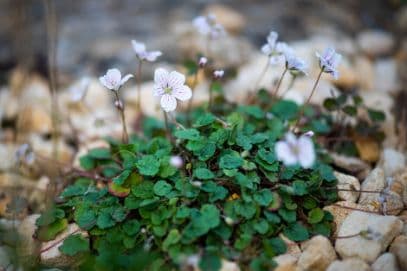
386	76
375	42
393	204
286	262
34	119
292	247
26	230
317	254
386	262
365	72
54	257
341	209
353	264
229	266
347	182
351	164
232	20
400	180
7	152
392	161
374	182
384	227
399	248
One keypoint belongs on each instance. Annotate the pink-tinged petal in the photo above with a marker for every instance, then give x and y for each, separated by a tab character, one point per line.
266	49
126	78
106	83
158	90
175	79
114	75
291	139
182	93
161	77
152	56
138	47
285	153
168	103
306	152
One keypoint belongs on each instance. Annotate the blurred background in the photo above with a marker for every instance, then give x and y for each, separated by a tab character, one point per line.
93	35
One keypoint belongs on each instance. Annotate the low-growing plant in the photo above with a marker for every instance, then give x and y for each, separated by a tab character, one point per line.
220	181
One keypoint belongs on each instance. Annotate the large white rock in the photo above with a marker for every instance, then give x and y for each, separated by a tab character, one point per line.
392	161
352	264
384	229
375	42
286	262
399	248
374	182
347	182
386	76
317	254
386	262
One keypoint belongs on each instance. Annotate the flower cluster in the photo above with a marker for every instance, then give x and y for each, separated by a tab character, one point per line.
208	26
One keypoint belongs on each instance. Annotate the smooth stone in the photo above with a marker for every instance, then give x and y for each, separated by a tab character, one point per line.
317	254
386	262
286	262
292	247
352	264
385	227
27	228
400	184
392	161
399	248
52	256
386	77
375	42
7	152
365	72
350	183
353	165
374	182
393	204
229	18
34	119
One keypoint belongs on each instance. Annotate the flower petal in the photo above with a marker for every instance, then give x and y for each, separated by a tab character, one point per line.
113	75
168	103
106	83
138	47
126	78
285	154
175	79
152	56
182	93
161	77
306	154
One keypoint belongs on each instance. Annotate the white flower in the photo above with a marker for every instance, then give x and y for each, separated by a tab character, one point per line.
294	64
113	79
202	62
218	74
143	54
329	61
274	49
292	151
208	26
78	91
176	161
170	87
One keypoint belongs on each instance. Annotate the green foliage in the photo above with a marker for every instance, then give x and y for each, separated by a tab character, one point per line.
231	199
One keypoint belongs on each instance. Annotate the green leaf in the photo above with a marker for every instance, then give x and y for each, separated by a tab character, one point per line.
252	110
105	220
376	115
230	161
85	217
143	190
263	197
203	174
211	215
315	216
119	180
207	151
300	188
131	227
50	216
245	209
162	188
210	262
330	104
172	238
296	232
285	110
288	215
261	226
204	120
274	246
100	153
87	162
189	134
326	172
148	165
49	232
350	110
74	244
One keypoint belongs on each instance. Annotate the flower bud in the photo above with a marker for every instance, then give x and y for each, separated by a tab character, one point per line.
176	161
218	74
229	221
119	105
202	62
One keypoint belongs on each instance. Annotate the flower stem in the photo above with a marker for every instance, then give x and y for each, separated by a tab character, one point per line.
309	98
189	108
279	82
120	107
138	78
167	127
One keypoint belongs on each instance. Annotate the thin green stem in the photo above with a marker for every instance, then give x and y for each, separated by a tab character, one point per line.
167	127
138	78
279	82
309	99
120	107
